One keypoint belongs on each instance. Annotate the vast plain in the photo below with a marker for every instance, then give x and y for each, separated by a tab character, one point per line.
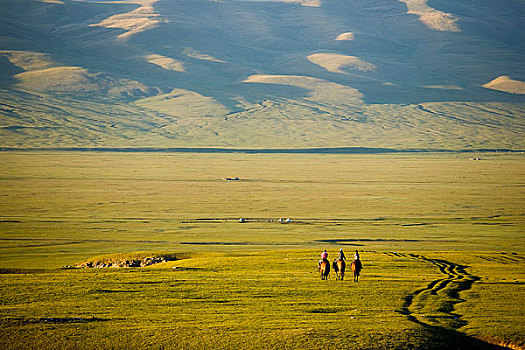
121	120
440	236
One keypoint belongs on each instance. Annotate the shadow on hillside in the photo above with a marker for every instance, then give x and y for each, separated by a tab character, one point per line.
385	94
442	338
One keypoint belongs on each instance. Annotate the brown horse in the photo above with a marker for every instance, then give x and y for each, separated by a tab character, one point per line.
324	269
356	269
339	268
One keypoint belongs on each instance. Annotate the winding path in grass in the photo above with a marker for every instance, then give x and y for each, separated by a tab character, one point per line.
434	304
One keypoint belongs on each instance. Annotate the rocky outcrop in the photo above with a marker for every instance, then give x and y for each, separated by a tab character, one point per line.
125	262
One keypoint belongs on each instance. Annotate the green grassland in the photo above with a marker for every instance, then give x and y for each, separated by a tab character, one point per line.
441	239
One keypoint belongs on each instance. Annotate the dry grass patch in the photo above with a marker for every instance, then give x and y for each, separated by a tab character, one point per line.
167	63
77	79
184	103
345	37
443	87
196	54
336	63
320	90
133	22
307	3
432	18
29	60
506	84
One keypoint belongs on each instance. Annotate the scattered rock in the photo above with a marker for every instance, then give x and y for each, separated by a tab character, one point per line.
118	263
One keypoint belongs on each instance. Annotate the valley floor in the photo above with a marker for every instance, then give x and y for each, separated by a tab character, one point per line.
440	236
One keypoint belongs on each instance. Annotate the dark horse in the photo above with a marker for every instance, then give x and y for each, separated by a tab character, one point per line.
356	269
339	268
324	269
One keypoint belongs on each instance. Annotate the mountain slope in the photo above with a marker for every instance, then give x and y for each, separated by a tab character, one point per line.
262	74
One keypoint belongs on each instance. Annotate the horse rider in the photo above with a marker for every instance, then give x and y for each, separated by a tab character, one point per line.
357	260
341	256
324	257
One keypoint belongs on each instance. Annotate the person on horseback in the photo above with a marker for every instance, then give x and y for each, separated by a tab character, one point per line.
357	260
324	257
324	266
341	256
339	265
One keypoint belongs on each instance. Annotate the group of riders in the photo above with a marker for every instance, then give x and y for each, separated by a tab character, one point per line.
341	257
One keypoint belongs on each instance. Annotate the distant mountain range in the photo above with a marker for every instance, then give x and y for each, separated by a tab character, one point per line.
395	74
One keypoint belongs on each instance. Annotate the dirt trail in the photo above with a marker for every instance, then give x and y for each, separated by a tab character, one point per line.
434	304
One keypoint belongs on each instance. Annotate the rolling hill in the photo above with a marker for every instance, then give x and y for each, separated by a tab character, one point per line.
403	74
